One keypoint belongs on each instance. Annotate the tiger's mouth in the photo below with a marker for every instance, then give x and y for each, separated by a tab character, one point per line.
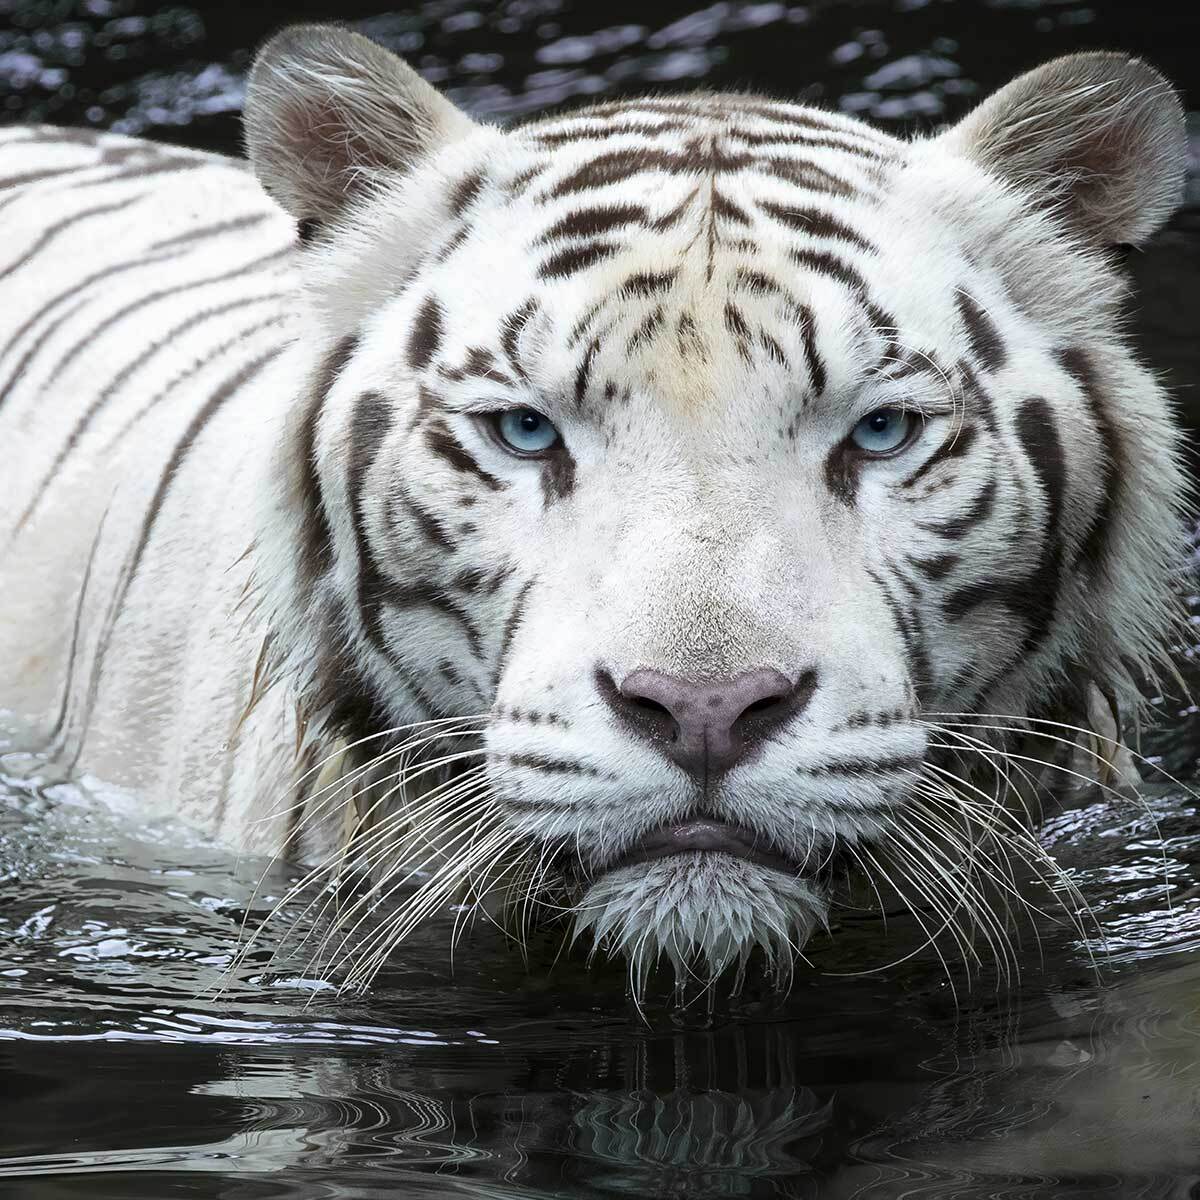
703	836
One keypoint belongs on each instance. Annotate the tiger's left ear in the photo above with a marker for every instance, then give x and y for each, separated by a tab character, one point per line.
329	113
1099	139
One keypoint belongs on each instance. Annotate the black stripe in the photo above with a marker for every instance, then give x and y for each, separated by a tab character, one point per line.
316	538
111	388
672	218
812	357
666	106
38	342
426	335
584	374
558	475
195	368
784	139
428	525
464	193
843	466
72	292
443	443
471	580
980	510
726	209
52	231
16	181
233	225
1038	434
589	222
815	119
648	283
575	259
510	335
426	594
736	323
919	667
805	175
369	426
581	132
829	265
510	628
429	403
68	689
815	223
615	166
986	343
937	567
164	167
1109	466
957	445
209	409
866	766
773	348
480	364
757	281
640	335
549	766
94	333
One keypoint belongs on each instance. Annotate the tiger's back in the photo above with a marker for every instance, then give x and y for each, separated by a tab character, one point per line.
148	302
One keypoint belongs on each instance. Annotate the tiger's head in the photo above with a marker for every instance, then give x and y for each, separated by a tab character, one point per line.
723	473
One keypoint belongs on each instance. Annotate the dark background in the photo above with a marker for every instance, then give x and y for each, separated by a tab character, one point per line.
175	71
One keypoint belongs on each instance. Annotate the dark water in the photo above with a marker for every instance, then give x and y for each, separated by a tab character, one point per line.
122	1075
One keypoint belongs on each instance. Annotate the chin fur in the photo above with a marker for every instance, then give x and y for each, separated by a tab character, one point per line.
703	913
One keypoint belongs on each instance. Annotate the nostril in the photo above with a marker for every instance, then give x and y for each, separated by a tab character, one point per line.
780	703
650	717
762	705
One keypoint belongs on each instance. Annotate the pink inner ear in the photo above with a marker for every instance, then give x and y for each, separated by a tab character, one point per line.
324	152
1097	137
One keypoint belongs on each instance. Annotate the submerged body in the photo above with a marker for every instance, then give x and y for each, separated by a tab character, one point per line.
647	509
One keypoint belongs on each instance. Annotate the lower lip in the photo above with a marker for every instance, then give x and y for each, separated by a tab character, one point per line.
689	837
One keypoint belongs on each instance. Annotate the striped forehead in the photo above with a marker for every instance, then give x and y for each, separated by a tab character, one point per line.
695	180
671	226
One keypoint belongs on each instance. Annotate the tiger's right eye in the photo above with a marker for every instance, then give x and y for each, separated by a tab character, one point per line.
525	432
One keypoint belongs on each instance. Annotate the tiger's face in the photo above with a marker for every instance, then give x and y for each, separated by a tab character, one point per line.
718	455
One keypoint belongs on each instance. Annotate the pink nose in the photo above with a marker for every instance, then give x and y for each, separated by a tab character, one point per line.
706	728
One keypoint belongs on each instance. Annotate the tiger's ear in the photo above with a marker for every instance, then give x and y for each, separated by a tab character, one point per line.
329	113
1098	139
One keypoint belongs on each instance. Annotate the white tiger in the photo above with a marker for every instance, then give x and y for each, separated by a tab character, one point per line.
642	511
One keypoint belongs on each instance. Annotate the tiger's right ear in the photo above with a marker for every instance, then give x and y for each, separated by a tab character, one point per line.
329	114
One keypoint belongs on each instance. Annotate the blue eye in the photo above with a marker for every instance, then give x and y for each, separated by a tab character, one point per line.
524	431
884	430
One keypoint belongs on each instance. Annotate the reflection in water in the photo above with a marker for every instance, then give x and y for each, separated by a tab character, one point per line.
125	1076
490	1081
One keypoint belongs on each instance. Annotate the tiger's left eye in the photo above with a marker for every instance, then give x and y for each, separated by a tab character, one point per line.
882	431
524	431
